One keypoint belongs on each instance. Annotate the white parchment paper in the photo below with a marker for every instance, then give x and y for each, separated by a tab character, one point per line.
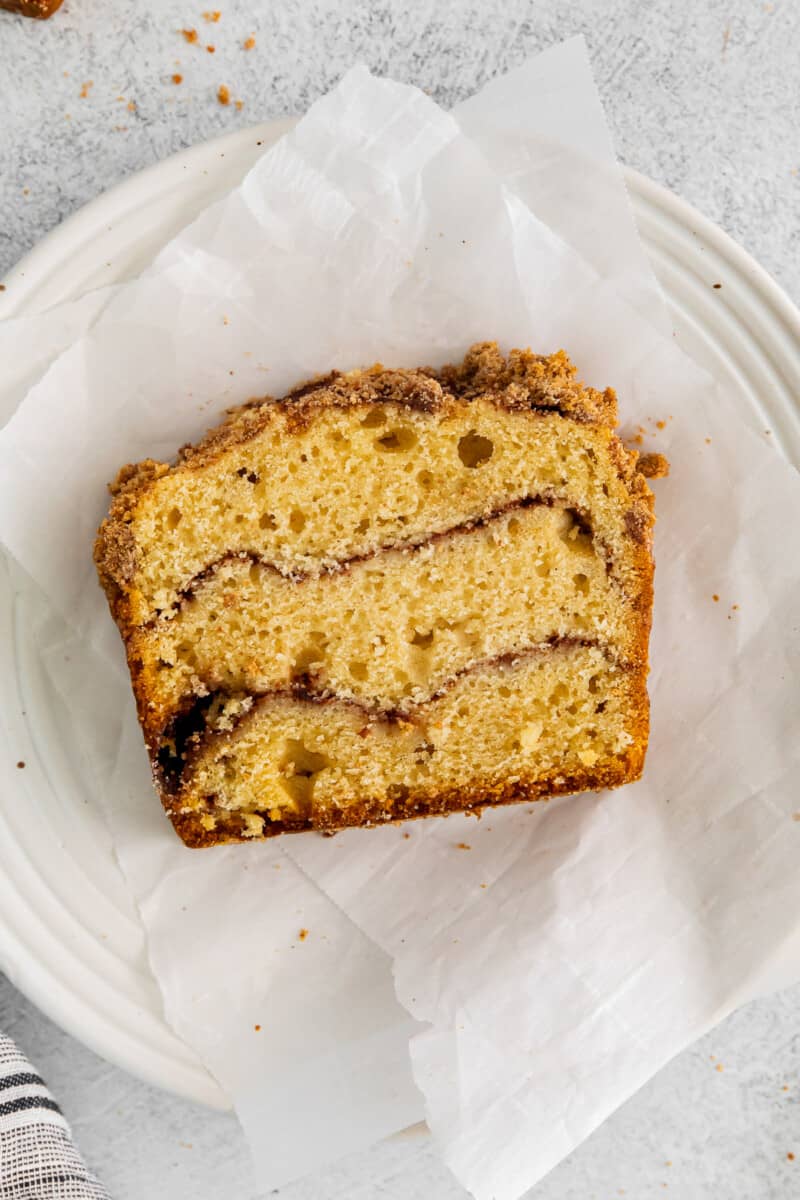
546	972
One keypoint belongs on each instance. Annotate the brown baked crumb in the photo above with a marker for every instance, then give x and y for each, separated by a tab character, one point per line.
239	105
717	285
223	94
177	78
303	934
463	846
249	43
790	1156
39	10
211	49
20	764
86	88
213	16
257	1028
715	598
190	35
653	466
2	287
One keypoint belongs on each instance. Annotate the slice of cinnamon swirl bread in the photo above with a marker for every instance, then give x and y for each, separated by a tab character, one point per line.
392	593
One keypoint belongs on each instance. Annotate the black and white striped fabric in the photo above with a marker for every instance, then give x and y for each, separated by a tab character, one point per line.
38	1160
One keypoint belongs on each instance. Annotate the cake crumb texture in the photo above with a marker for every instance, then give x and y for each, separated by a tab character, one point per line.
390	593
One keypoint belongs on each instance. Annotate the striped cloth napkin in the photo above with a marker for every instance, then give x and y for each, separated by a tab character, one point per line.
38	1159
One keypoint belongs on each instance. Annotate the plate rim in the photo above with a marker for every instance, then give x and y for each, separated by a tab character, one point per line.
21	278
43	986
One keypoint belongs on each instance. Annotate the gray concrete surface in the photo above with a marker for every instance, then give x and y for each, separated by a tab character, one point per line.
704	98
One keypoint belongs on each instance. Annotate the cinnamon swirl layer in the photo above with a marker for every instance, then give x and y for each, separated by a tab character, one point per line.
389	629
554	719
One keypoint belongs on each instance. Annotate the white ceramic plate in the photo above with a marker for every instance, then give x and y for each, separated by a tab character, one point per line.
69	935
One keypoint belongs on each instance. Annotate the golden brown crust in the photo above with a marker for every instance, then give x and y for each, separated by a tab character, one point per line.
472	798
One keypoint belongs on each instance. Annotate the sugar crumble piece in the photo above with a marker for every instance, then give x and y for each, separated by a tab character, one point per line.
653	466
249	43
223	94
190	35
